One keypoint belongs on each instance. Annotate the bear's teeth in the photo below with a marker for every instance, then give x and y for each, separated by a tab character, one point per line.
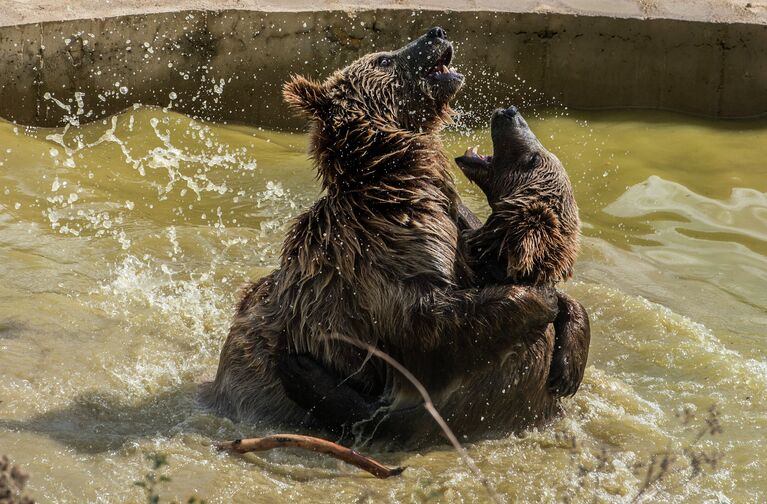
472	152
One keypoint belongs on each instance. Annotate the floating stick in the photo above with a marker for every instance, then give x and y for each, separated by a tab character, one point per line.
314	444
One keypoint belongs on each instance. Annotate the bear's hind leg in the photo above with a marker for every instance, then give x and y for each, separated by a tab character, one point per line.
330	399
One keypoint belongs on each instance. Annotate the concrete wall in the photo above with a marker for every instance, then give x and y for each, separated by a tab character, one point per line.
711	69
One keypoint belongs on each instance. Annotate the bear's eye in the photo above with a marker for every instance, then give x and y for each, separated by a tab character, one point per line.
384	61
535	161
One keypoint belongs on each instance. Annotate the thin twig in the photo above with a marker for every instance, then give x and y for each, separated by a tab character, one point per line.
314	444
429	405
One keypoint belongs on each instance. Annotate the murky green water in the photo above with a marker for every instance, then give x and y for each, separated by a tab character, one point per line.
122	245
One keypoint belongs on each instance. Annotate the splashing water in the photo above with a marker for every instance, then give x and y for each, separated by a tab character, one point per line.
125	242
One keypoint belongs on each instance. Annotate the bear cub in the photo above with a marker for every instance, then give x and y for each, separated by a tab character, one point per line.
532	234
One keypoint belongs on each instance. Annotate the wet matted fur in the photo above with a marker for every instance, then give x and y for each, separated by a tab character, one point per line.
375	259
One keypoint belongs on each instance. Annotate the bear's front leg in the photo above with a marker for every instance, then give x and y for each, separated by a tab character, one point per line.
571	347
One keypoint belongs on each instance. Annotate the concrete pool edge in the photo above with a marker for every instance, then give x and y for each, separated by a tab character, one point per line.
228	65
709	11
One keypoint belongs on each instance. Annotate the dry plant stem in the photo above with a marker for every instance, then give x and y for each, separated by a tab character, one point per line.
429	405
314	444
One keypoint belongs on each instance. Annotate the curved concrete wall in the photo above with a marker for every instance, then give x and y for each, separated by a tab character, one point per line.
229	65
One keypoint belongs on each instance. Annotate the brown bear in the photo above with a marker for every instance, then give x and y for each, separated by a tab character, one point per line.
531	236
376	259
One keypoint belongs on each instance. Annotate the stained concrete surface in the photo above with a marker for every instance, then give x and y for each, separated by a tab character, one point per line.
228	65
723	11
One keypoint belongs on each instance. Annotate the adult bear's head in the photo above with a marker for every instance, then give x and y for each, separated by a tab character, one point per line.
406	89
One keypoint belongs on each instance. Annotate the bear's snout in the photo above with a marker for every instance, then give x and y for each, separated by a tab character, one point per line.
437	32
511	111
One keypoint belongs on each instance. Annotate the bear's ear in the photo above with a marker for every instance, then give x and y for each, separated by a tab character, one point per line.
532	237
522	262
305	95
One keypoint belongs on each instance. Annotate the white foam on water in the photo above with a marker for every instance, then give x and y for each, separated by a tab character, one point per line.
684	339
181	318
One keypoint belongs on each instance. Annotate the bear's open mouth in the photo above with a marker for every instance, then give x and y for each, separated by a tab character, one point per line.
441	68
473	155
474	165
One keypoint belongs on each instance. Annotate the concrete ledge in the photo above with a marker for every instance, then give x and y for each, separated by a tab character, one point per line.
229	65
16	12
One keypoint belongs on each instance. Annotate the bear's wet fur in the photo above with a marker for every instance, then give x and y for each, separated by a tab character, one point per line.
375	260
532	234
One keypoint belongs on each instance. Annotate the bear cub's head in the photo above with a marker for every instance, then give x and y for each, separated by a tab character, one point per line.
408	88
532	233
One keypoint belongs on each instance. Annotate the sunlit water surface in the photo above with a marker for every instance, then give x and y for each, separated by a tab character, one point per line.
123	243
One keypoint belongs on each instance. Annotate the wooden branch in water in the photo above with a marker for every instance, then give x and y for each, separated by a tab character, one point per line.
314	444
